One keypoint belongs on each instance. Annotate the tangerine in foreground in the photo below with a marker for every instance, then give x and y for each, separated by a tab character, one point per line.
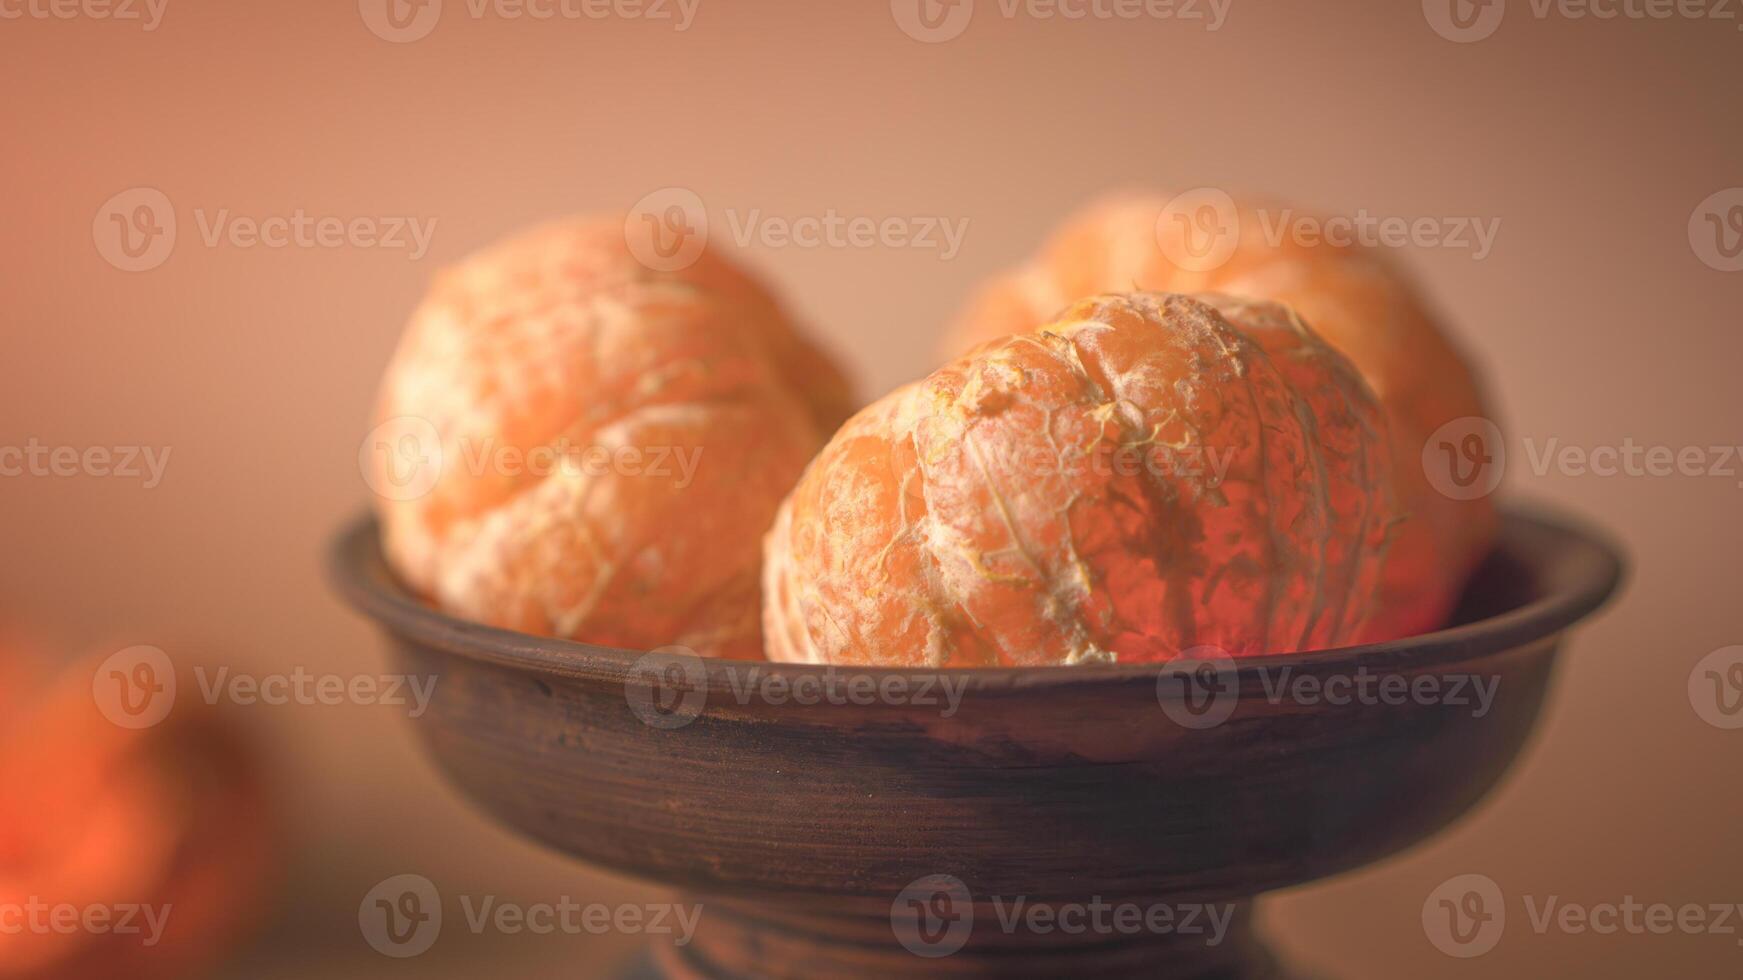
1350	294
1147	475
610	441
170	830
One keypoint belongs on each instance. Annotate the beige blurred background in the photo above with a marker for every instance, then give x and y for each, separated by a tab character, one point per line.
1591	141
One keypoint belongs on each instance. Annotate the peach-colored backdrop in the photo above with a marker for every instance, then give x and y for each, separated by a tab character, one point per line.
1591	141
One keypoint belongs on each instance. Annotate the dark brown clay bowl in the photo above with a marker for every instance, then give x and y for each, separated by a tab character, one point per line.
884	827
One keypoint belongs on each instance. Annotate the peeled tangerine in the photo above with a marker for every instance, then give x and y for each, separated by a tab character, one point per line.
1352	297
1147	475
613	440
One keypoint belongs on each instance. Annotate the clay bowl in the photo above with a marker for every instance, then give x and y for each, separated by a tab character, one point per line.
873	830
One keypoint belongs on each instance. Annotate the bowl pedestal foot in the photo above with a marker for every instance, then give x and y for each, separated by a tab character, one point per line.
737	940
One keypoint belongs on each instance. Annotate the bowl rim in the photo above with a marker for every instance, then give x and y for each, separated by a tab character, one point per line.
1576	567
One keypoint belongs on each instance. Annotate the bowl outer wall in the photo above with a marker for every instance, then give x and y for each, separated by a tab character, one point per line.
1053	783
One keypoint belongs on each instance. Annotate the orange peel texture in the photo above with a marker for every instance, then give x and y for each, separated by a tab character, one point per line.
681	405
1352	297
1147	475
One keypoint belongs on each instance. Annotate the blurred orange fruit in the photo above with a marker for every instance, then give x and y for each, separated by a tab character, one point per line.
1349	294
1147	475
610	441
163	837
